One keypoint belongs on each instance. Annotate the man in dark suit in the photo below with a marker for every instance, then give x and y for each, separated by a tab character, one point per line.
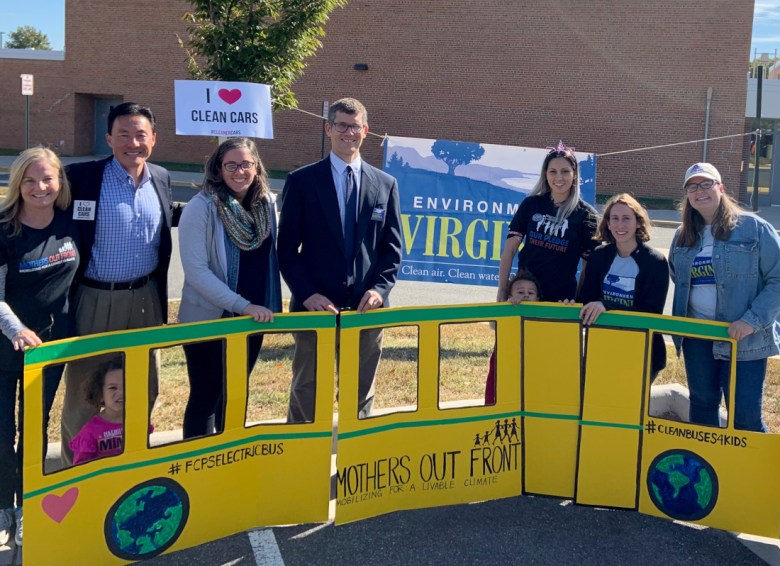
339	248
124	213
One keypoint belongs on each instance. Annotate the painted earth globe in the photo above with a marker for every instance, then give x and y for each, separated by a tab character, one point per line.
683	485
147	519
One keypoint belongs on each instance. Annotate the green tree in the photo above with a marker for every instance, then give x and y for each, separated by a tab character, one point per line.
259	41
27	37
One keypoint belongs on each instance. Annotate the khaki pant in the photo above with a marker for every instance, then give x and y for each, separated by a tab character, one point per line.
96	311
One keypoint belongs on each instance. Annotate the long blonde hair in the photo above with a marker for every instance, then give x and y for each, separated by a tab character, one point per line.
542	187
723	223
11	205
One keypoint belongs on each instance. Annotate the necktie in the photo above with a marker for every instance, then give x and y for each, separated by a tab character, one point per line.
350	210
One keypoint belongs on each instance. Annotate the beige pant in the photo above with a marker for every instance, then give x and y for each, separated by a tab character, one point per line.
98	311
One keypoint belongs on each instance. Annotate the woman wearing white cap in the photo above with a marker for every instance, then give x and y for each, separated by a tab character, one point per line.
725	263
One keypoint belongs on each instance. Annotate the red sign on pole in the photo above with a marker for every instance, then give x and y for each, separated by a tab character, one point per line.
27	85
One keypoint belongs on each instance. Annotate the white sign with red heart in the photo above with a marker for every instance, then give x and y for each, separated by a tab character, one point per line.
230	109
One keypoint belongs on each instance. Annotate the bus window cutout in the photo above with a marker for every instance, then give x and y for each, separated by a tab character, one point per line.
170	407
93	410
465	359
397	373
53	395
670	396
268	384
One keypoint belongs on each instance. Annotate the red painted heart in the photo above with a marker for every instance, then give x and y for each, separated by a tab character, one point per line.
229	96
58	506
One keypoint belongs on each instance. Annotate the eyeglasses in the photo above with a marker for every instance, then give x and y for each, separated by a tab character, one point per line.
342	127
704	185
232	165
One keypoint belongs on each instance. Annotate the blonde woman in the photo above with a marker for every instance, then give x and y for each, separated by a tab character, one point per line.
38	259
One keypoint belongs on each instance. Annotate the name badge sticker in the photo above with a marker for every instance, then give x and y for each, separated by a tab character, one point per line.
378	214
84	210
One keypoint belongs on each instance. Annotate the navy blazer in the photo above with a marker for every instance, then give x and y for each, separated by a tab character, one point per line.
86	182
310	244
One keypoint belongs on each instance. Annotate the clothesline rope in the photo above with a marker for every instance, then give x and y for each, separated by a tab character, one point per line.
598	154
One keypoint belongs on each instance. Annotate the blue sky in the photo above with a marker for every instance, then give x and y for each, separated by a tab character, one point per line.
49	17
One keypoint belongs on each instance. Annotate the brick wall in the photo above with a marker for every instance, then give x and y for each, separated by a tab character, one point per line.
603	75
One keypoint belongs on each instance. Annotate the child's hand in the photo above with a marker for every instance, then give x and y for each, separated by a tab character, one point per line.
591	312
567	301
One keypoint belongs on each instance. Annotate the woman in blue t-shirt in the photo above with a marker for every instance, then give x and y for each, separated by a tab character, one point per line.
725	263
625	273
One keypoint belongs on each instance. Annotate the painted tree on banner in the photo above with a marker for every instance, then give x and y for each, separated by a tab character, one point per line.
455	153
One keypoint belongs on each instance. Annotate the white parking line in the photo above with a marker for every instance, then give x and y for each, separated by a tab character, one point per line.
265	548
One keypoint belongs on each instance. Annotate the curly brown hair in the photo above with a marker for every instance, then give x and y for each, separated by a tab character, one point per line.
93	387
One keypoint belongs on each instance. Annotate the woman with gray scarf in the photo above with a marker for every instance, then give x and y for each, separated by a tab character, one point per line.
227	243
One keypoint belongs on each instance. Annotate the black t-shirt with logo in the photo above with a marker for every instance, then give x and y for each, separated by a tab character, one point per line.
552	249
41	265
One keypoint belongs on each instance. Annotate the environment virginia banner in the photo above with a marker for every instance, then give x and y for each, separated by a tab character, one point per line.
457	199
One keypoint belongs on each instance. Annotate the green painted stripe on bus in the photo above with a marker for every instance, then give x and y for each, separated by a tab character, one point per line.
212	329
398	316
418	424
183	455
611	425
666	324
460	420
558	312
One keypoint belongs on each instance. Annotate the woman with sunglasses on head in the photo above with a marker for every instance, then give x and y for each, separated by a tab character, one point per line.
556	227
725	263
626	273
227	237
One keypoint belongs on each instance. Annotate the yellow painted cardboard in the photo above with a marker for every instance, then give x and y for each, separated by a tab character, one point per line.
554	429
718	477
552	373
192	491
611	415
432	456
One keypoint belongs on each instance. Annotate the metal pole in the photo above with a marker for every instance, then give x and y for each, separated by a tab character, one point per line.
322	127
707	123
27	123
754	197
2	33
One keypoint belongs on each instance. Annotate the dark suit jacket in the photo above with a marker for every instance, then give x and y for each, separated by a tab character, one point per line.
311	241
86	181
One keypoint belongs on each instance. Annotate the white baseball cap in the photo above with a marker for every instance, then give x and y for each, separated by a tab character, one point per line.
706	170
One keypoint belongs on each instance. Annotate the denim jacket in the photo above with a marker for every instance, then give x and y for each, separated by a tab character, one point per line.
747	278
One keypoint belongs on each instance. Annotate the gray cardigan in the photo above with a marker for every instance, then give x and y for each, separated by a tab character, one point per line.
206	294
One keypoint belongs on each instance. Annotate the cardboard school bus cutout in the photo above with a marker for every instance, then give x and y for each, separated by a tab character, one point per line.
571	419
